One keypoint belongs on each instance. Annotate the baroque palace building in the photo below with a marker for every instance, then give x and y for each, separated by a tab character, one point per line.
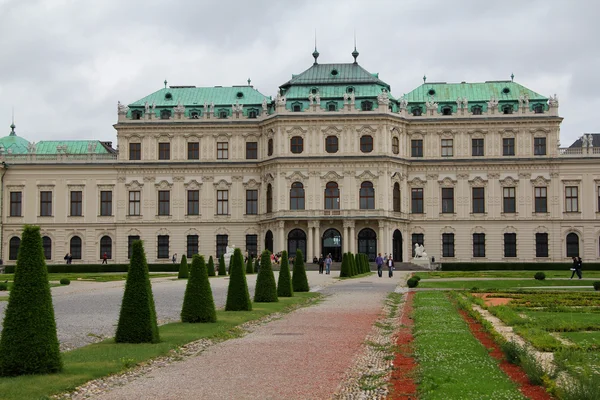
473	171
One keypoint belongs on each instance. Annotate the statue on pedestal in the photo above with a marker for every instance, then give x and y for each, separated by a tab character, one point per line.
227	256
420	251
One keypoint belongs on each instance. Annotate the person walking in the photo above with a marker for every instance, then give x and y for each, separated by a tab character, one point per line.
379	263
104	258
328	264
390	265
174	259
69	258
576	268
321	263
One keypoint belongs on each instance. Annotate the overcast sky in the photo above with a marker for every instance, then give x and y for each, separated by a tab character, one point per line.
66	63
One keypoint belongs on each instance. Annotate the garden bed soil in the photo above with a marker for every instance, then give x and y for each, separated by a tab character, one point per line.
402	382
493	301
514	372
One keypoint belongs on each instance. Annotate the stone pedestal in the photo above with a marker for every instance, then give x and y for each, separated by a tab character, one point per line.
424	262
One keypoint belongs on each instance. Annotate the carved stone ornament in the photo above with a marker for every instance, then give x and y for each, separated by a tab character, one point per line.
416	182
251	184
332	176
402	103
540	181
383	98
366	176
134	185
149	179
281	100
493	103
553	101
509	182
447	182
524	175
264	105
493	175
297	176
268	177
163	185
478	182
122	108
179	109
431	104
192	185
222	185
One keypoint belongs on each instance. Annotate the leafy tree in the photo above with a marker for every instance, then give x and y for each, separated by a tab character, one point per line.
345	270
238	298
198	303
299	279
29	343
222	269
266	288
249	268
137	320
284	283
183	268
211	267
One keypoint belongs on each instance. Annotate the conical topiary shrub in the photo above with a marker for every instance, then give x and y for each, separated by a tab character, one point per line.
29	344
361	263
238	298
222	269
256	264
266	289
284	283
345	270
299	279
353	265
183	268
211	267
137	320
249	268
198	303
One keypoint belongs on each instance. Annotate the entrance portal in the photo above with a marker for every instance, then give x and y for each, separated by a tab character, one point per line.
296	241
397	245
367	243
332	244
268	241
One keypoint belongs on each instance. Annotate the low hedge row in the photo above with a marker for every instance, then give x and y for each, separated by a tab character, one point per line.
514	266
80	268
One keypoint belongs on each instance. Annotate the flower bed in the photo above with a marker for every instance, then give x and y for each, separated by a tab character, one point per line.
403	386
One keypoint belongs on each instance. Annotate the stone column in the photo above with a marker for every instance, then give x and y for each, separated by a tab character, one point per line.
345	238
352	240
317	238
310	244
381	244
281	245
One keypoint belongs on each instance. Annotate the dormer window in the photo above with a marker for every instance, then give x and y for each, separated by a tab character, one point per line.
476	110
506	90
194	114
252	113
297	107
222	114
332	106
431	92
349	89
334	72
447	110
416	111
507	109
165	114
136	114
314	90
168	96
239	95
538	108
366	106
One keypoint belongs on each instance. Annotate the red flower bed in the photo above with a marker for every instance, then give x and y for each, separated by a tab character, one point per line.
514	372
403	386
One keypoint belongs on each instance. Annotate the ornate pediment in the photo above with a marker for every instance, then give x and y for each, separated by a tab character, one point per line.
509	181
163	185
251	184
297	176
540	181
366	130
446	134
508	132
222	184
509	229
106	187
478	182
332	176
447	182
268	177
540	131
416	182
45	187
296	131
417	229
15	187
366	176
76	187
163	135
478	229
398	177
163	232
222	135
571	182
193	185
417	133
477	133
541	229
134	232
331	130
448	229
222	231
192	231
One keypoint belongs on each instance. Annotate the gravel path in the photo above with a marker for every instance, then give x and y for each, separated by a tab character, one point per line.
304	355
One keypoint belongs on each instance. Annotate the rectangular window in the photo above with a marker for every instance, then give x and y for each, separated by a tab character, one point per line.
192	245
416	204
193	150
164	202
252	245
510	245
477	147
447	147
135	151
508	200
447	244
135	203
15	204
45	204
508	147
541	245
479	245
106	203
251	150
130	240
539	146
417	238
222	202
478	200
76	204
222	241
447	200
164	151
222	151
541	200
163	246
416	148
193	202
571	199
252	202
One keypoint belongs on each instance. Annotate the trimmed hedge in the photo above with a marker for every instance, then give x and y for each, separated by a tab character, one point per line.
211	267
412	283
249	268
345	269
284	283
222	268
540	276
299	279
266	288
82	268
183	268
509	266
198	302
65	281
238	298
29	343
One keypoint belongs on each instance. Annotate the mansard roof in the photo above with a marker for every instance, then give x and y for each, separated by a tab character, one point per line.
191	96
442	92
334	74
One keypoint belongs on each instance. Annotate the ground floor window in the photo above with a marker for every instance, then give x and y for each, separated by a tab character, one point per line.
572	245
13	249
447	245
106	247
222	241
192	245
417	238
47	246
75	248
541	245
163	246
510	245
252	245
130	240
479	245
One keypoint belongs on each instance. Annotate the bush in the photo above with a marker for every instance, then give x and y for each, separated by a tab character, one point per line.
345	269
597	285
514	266
256	265
299	279
284	283
540	276
198	302
65	281
266	288
512	351
29	343
238	298
222	269
412	283
97	268
534	370
417	277
3	286
211	267
137	320
353	264
183	268
249	268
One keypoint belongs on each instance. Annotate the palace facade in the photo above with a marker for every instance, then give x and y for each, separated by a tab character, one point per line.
335	163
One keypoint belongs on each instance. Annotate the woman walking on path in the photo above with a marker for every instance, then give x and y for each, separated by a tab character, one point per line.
390	264
576	268
379	263
321	264
328	264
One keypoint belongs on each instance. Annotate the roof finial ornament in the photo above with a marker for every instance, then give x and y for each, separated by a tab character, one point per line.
424	78
355	53
12	125
165	82
249	81
512	77
315	53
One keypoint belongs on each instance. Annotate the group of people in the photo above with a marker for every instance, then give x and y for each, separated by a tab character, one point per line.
576	268
388	260
325	264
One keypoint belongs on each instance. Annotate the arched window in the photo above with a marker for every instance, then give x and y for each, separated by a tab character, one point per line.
396	197
395	145
366	105
75	247
270	147
195	114
297	196
164	114
416	111
366	144
538	108
332	106
367	196
572	245
331	144
476	110
136	114
106	247
297	107
447	110
332	196
269	198
13	247
223	114
367	243
297	144
47	246
507	109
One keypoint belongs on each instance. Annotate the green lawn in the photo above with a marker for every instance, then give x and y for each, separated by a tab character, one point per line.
502	274
501	284
587	339
105	358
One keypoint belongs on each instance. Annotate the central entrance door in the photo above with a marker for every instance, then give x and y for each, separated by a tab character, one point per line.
397	245
332	244
296	241
367	243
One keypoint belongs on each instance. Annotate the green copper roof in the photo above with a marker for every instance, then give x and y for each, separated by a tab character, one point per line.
334	74
334	91
14	143
196	97
474	92
72	147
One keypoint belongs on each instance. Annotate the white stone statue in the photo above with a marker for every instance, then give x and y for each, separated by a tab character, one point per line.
352	98
153	106
146	107
228	254
431	104
311	97
264	105
553	101
318	98
420	251
587	141
212	107
281	100
402	103
31	147
122	108
493	103
458	103
465	103
383	98
346	98
237	107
